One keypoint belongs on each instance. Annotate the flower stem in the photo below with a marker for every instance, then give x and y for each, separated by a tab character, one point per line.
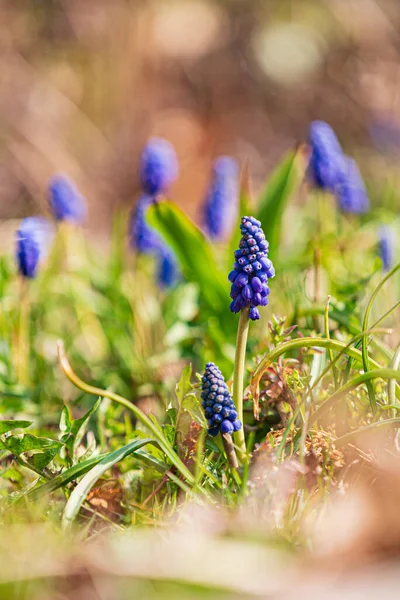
23	350
238	378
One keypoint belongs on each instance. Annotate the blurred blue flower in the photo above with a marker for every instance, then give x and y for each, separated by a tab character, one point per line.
351	191
32	240
327	162
146	240
386	246
168	269
141	236
66	201
218	405
223	198
252	270
158	166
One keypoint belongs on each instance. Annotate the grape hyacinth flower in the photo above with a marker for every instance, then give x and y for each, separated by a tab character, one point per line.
158	166
168	270
142	237
33	236
66	201
386	246
146	240
327	161
252	270
223	198
219	408
351	191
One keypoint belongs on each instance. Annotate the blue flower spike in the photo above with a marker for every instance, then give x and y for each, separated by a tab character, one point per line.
32	240
66	201
158	166
146	240
218	405
386	246
222	201
327	161
351	191
251	271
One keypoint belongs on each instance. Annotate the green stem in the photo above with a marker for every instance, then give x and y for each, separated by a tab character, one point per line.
395	363
351	385
302	343
238	378
140	416
331	358
371	391
23	349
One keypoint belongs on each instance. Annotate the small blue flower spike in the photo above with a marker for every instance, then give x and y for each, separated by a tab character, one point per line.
386	246
158	166
168	269
141	236
218	405
66	201
32	240
222	201
146	240
351	191
327	161
252	270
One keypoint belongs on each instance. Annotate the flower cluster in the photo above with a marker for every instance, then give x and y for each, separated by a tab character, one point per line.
218	406
158	166
223	197
33	236
66	202
386	246
331	170
252	269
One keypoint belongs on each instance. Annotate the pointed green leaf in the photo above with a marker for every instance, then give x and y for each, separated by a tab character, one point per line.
6	426
274	198
194	251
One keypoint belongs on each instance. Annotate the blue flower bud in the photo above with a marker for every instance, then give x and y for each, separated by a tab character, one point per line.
223	198
351	191
386	246
32	240
252	274
168	270
221	416
158	166
66	201
327	163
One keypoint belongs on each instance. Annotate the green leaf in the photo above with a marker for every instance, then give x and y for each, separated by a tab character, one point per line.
194	252
75	429
79	494
39	452
189	411
6	426
274	199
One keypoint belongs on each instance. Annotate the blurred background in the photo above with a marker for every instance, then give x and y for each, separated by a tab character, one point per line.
84	84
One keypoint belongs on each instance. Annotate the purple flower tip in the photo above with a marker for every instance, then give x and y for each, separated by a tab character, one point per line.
32	240
386	246
223	198
158	166
66	201
327	162
351	191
